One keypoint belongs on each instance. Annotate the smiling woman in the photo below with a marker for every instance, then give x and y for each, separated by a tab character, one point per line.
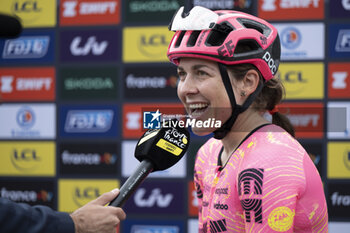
226	65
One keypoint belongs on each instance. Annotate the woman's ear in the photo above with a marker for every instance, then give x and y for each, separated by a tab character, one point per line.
250	82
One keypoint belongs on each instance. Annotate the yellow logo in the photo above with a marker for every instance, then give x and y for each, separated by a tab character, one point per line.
338	160
73	194
146	44
33	13
165	145
28	158
281	219
303	80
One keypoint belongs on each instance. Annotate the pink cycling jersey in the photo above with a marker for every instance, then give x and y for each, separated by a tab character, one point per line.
269	184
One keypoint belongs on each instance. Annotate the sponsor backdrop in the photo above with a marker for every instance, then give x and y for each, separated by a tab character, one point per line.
74	86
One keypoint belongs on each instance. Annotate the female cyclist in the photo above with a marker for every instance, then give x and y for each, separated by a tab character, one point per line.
252	176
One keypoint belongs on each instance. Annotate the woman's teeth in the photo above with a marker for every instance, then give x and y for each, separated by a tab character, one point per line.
197	109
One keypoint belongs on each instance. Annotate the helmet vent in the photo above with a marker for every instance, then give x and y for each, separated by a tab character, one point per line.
251	24
178	41
219	33
193	38
246	46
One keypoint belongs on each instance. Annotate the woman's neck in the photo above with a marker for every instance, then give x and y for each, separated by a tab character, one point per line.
245	123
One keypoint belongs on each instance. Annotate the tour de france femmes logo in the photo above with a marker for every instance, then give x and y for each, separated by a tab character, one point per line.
250	184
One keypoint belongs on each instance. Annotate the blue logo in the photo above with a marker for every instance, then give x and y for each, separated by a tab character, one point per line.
290	37
151	120
34	46
339	40
25	118
88	121
343	41
26	47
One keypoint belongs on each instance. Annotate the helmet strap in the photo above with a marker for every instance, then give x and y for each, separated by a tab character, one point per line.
236	109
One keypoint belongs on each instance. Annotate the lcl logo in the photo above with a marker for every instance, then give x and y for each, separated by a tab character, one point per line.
154	40
26	6
293	77
25	159
26	155
83	195
152	45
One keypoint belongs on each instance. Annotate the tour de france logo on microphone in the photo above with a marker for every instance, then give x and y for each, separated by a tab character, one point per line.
173	141
151	120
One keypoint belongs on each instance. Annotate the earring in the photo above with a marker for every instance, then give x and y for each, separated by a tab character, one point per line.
243	93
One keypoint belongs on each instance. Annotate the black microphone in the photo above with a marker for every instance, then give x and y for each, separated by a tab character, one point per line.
10	26
157	149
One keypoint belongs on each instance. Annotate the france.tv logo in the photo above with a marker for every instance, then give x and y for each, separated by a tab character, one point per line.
151	120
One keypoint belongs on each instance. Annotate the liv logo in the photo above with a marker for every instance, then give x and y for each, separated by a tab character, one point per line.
151	120
156	198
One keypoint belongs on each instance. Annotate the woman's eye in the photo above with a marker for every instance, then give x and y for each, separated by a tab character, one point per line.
181	75
202	73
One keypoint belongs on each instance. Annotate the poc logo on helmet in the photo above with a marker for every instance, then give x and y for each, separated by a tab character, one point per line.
270	62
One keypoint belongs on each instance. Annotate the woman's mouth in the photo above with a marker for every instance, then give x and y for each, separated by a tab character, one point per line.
198	109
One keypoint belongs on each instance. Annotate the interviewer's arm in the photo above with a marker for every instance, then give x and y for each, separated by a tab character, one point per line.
92	217
23	218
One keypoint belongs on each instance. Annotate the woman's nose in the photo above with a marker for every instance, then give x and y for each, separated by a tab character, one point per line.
187	87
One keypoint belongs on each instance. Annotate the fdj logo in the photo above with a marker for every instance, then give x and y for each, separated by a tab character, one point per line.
151	120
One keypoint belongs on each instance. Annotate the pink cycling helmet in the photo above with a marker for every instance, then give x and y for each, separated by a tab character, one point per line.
234	38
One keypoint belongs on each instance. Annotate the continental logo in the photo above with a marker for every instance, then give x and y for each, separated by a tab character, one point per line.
281	219
75	193
146	44
338	157
28	158
33	13
302	80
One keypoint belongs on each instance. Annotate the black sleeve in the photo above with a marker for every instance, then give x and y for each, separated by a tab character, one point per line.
23	218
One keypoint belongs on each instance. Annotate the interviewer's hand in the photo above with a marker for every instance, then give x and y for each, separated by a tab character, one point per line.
96	217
